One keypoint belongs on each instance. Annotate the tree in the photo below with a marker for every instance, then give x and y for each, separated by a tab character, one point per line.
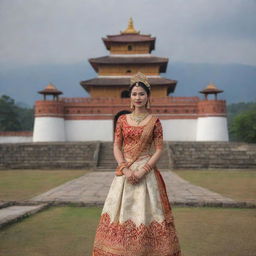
234	110
243	126
13	117
8	115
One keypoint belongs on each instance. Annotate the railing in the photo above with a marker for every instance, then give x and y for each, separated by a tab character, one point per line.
106	100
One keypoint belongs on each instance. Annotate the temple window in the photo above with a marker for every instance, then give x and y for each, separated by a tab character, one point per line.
125	94
129	47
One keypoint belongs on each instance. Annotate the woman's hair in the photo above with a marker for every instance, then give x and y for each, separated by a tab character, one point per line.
141	85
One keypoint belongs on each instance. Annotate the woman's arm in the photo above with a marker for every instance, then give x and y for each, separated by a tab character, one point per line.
118	142
155	157
117	147
118	154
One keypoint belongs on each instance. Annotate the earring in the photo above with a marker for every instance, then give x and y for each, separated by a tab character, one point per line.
131	105
148	104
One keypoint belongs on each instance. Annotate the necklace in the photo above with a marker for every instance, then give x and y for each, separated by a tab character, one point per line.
138	118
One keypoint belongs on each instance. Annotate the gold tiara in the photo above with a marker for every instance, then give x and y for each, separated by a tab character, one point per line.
139	77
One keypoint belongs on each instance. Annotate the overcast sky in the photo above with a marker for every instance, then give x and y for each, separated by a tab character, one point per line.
69	31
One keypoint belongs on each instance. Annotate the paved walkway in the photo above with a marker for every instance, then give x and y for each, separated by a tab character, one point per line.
92	189
14	213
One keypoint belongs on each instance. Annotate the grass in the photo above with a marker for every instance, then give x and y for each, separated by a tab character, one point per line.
216	231
69	231
25	184
236	184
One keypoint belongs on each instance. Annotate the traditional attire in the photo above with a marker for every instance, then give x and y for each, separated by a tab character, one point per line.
137	220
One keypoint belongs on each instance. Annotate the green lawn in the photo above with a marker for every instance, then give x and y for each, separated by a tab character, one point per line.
236	184
24	184
69	231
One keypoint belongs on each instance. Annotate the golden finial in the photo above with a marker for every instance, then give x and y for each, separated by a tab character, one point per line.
130	29
50	86
211	86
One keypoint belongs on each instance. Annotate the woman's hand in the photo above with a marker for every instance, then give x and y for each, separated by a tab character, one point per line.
140	173
127	173
131	178
136	176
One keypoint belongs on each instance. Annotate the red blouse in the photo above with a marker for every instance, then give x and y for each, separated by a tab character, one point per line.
127	135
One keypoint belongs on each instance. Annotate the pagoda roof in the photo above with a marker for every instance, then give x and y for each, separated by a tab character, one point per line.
50	89
211	89
125	81
107	60
129	38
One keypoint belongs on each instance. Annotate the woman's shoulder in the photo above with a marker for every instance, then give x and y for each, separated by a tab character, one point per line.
122	118
157	122
156	118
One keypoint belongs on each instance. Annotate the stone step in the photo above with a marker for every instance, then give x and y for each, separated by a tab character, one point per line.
14	213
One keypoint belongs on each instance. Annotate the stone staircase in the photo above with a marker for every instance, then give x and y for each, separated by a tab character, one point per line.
107	162
200	155
97	155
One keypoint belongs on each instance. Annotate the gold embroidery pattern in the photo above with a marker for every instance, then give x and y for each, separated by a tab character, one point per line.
127	239
118	138
131	138
158	135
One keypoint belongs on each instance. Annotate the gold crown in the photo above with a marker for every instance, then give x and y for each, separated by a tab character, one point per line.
139	77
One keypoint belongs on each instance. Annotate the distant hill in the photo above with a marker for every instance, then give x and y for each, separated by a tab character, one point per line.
22	84
237	81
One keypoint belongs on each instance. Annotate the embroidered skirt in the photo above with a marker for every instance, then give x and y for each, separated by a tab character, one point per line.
137	220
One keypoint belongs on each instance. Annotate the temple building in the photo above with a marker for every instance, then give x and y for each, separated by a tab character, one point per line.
91	118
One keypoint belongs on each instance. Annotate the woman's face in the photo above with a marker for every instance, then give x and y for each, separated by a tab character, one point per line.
139	97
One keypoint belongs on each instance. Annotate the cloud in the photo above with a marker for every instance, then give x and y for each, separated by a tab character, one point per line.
66	31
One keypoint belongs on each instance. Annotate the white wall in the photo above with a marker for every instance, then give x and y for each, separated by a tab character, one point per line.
212	129
89	130
49	129
179	129
15	139
201	129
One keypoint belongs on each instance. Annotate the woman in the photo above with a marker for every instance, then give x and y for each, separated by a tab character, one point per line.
137	219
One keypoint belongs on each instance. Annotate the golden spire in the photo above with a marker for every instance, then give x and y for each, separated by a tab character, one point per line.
130	29
50	86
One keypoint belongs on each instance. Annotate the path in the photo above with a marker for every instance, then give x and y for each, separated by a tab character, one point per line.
92	188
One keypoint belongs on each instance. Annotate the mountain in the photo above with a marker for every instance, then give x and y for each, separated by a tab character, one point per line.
22	83
238	81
